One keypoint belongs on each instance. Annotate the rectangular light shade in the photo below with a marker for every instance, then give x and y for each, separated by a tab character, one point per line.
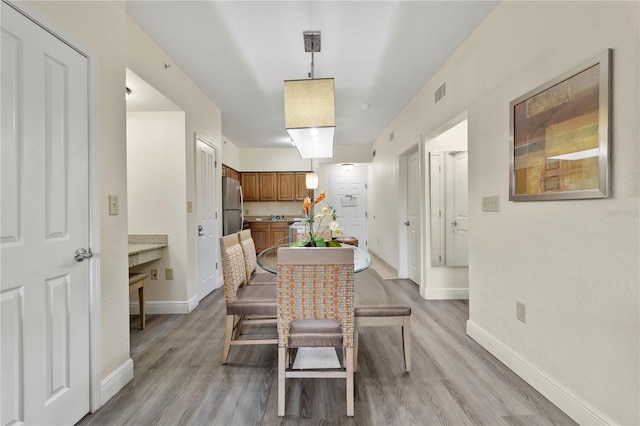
310	117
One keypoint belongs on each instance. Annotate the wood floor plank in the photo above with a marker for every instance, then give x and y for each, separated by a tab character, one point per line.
179	379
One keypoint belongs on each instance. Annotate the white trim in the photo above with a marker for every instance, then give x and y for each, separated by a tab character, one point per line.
572	405
446	293
95	332
115	381
165	308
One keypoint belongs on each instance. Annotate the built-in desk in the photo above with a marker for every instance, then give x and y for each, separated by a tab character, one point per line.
143	249
146	248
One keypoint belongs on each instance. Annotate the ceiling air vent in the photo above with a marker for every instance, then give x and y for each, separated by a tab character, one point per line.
440	93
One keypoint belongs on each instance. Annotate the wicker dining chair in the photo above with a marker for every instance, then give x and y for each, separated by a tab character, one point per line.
315	309
254	275
246	305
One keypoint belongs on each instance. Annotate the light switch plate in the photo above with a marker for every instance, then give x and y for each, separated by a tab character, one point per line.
491	204
168	273
189	206
114	206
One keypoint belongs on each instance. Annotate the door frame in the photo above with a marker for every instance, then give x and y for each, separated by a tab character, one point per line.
218	277
42	20
417	144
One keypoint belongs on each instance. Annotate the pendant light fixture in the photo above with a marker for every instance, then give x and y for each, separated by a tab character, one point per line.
309	108
311	180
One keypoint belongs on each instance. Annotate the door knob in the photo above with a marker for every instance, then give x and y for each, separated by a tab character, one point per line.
200	231
407	223
81	254
454	223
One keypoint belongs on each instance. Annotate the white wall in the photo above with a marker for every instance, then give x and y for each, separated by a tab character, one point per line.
272	160
156	183
575	264
230	154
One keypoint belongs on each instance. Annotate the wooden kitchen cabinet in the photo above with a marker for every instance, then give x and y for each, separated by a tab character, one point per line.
268	186
266	234
250	188
261	234
279	233
286	186
301	187
229	172
274	186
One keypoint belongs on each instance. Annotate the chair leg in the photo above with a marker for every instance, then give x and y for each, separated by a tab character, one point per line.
227	338
239	326
282	357
356	333
141	299
349	364
406	343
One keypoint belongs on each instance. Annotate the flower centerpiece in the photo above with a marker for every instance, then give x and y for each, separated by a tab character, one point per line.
318	224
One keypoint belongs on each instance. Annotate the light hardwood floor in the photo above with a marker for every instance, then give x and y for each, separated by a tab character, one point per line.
179	379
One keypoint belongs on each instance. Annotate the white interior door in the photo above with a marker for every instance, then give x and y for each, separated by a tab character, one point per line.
413	219
207	229
457	211
348	197
45	219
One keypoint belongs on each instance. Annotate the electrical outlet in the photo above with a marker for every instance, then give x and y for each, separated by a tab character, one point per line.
154	274
521	312
491	204
168	273
189	206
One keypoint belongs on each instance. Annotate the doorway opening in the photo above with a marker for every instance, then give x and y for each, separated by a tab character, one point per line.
157	191
446	272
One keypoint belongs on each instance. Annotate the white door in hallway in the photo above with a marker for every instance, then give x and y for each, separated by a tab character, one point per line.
45	220
348	197
207	224
457	211
413	219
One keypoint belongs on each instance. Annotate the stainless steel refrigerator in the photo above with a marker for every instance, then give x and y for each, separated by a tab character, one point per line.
232	206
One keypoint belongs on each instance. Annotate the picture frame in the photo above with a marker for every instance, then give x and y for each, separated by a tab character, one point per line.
560	136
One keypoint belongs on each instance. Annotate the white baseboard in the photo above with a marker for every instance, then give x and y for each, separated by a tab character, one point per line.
164	308
115	381
446	293
573	406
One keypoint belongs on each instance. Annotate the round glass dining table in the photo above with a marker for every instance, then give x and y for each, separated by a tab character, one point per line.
268	258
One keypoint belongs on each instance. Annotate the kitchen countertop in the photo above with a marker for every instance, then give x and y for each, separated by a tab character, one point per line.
258	219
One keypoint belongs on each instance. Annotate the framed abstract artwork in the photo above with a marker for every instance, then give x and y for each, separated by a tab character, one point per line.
561	134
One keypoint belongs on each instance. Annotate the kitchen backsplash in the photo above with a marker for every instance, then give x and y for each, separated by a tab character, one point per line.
266	208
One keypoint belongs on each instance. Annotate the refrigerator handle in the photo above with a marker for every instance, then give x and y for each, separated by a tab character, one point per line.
241	205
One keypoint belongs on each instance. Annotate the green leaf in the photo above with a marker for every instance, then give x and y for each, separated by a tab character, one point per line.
333	243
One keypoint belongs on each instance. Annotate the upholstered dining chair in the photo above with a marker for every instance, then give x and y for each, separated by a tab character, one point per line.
315	309
253	274
245	304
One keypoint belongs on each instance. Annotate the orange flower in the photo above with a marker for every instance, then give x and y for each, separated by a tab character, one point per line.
320	197
306	205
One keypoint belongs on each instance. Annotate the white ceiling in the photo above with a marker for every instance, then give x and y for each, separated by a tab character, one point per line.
381	53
